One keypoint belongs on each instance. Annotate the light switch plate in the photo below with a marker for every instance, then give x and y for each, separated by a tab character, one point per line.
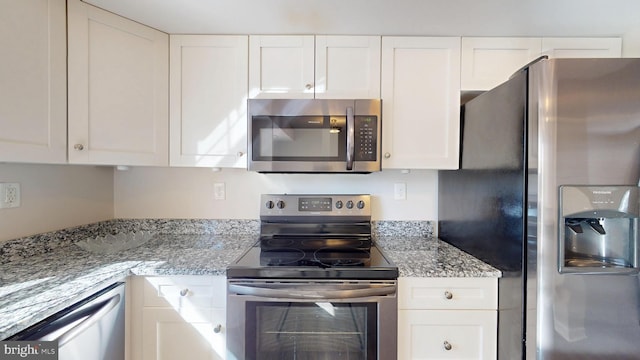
400	191
9	195
219	191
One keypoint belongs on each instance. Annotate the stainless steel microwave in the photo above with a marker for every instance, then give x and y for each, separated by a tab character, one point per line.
314	135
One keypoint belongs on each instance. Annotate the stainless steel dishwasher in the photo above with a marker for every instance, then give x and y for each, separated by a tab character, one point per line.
91	329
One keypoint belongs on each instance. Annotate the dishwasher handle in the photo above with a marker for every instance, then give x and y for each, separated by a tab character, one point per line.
93	318
324	294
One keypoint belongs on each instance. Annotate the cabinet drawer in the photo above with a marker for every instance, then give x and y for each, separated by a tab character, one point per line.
447	334
184	291
448	293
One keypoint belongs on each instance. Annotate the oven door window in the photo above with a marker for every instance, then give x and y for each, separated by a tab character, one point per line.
299	138
300	330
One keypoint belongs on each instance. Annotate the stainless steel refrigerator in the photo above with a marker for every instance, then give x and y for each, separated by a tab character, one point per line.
547	192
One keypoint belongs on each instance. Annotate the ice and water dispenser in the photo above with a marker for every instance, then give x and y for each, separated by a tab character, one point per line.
598	229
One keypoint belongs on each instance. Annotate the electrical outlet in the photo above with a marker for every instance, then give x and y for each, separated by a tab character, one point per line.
9	195
219	191
400	191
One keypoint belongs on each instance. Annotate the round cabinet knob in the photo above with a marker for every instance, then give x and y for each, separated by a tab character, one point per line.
240	154
78	147
280	204
270	204
360	204
184	292
349	204
217	329
448	295
339	204
308	86
447	346
387	155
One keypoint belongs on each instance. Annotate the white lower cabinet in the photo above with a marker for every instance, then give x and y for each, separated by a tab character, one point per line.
447	318
177	317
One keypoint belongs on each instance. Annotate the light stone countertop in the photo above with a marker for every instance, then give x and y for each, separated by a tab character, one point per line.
37	285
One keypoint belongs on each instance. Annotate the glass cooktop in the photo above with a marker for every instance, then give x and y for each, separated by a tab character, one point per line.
321	263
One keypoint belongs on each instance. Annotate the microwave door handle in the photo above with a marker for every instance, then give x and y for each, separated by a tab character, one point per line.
315	294
350	138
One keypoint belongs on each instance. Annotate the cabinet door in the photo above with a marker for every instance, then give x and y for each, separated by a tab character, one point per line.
196	334
208	76
442	334
176	317
33	74
420	102
488	62
582	47
118	89
281	66
347	67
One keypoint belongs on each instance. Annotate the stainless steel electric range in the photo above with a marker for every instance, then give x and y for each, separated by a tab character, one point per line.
314	285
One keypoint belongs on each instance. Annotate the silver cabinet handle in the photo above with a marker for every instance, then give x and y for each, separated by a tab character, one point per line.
240	154
217	329
387	155
308	86
184	292
448	295
78	147
447	345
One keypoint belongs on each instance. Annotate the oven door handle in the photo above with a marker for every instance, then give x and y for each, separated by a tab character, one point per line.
297	292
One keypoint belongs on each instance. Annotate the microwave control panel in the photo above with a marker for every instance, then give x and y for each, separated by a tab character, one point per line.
366	139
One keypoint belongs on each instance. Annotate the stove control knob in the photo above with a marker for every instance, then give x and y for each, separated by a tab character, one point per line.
349	204
270	204
360	204
339	204
280	204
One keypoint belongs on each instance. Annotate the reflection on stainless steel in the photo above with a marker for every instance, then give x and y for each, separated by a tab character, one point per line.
559	140
576	260
609	218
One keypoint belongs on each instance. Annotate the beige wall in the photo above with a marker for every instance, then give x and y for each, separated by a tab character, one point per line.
55	197
188	192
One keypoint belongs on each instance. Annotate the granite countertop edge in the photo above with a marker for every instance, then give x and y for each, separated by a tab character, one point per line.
36	286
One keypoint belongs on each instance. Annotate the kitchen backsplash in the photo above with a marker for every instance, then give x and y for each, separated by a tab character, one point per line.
50	241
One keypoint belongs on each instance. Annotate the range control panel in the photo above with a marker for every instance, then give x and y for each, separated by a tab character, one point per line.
314	205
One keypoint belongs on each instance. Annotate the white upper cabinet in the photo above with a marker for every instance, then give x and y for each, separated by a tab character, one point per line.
582	47
208	95
307	66
420	102
490	61
347	67
487	62
281	66
33	69
118	89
